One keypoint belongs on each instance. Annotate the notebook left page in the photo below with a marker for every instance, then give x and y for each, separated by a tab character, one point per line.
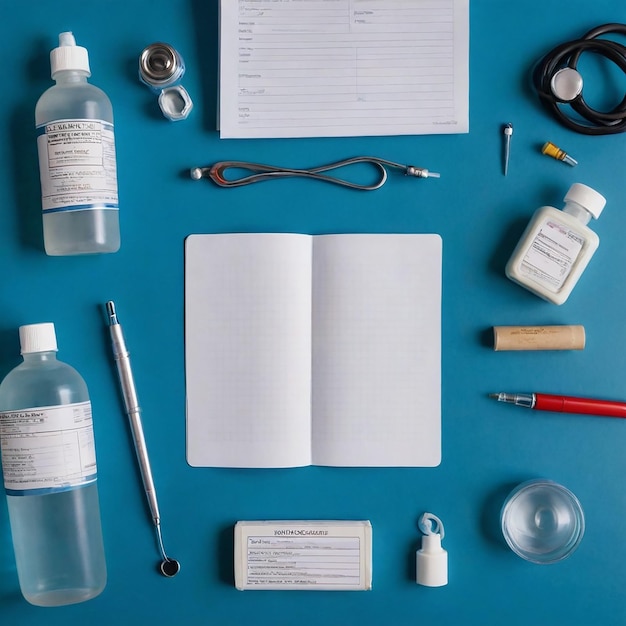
248	350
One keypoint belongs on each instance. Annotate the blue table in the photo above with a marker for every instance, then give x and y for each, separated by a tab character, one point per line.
487	447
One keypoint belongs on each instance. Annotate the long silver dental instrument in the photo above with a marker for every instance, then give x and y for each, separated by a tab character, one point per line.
169	567
260	172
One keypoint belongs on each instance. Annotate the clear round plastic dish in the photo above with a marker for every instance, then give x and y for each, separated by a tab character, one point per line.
542	521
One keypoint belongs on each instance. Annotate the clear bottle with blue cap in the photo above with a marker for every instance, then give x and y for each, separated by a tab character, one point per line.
77	162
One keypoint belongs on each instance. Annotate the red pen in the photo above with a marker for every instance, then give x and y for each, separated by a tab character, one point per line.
563	404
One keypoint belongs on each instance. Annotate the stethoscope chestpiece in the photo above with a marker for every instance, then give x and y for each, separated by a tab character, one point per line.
566	84
559	84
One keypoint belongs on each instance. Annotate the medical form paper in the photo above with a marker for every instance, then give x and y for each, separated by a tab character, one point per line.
338	68
310	555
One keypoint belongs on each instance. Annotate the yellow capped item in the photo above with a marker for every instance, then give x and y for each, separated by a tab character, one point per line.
555	152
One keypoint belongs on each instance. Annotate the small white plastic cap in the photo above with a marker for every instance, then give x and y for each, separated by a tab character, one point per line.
69	56
38	338
175	103
431	560
586	197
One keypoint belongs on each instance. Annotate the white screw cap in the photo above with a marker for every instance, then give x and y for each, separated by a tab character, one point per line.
69	56
38	338
586	197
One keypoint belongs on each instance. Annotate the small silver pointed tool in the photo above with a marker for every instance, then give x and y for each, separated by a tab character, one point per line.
508	131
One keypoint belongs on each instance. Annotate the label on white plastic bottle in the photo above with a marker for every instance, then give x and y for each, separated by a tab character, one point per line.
77	165
552	254
47	449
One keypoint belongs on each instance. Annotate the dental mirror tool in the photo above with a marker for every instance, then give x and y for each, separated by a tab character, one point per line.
169	567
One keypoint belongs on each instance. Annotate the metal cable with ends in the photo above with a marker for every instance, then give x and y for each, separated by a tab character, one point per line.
260	172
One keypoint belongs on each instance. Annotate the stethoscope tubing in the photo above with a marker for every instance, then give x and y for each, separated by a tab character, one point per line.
592	122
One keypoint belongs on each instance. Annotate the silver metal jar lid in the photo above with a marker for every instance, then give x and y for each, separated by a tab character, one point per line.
160	65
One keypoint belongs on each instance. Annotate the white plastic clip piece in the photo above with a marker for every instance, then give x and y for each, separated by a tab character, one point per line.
175	103
431	560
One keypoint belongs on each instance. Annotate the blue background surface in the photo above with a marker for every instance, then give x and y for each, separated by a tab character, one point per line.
487	448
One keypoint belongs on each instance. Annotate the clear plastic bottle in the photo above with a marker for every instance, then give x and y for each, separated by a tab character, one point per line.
557	245
49	466
77	162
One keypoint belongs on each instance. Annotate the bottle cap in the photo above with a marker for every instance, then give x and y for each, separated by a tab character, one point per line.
38	338
175	103
587	197
69	56
431	561
160	66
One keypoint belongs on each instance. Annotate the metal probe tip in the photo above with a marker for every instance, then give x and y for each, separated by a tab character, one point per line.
502	397
508	131
110	306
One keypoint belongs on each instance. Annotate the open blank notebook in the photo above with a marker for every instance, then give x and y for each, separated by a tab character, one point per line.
322	350
336	68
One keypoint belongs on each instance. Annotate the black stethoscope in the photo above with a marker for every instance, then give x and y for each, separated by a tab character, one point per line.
559	83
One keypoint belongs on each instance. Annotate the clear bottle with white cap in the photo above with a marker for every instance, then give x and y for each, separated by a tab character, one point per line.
557	245
49	467
77	163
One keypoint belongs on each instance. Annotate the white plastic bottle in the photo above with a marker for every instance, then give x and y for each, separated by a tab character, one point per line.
49	466
557	245
77	164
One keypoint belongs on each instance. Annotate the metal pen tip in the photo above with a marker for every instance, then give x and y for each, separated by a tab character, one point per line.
112	315
508	131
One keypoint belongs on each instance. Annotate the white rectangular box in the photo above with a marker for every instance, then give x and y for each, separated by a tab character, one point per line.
310	555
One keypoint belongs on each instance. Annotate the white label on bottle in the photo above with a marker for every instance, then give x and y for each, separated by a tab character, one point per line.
77	165
47	449
552	254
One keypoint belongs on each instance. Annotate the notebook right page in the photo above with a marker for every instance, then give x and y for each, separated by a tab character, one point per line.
377	350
